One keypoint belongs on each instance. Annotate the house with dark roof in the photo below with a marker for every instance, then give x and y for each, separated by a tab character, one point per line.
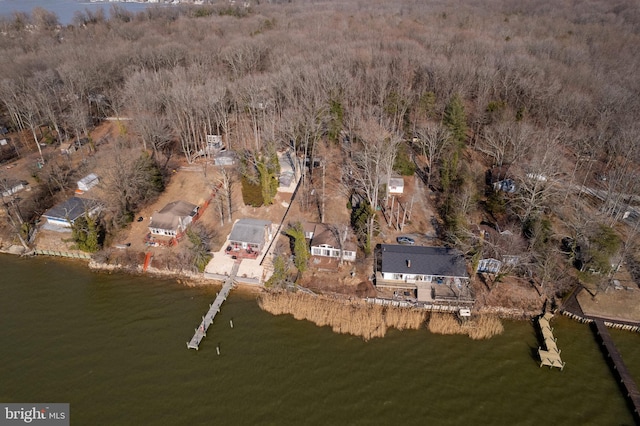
173	219
432	273
66	213
330	241
249	234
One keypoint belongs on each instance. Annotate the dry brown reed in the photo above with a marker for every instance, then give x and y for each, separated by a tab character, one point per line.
343	316
481	327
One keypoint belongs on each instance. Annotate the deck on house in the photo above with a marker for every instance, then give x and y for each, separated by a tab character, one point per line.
620	368
214	308
550	356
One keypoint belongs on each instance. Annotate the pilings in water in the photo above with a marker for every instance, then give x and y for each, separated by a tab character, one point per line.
207	320
550	356
620	369
214	308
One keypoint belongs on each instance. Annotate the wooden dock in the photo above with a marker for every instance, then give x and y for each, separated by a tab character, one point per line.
550	356
214	308
620	369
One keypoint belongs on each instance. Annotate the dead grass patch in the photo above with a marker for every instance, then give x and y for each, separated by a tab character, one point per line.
481	327
343	316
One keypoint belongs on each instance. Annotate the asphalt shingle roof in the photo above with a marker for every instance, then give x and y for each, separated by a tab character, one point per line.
170	217
70	209
249	231
436	261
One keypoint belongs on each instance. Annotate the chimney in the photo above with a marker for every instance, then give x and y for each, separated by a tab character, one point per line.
408	263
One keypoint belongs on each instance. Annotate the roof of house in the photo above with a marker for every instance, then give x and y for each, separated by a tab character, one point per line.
169	216
329	235
435	261
249	231
70	209
396	181
88	179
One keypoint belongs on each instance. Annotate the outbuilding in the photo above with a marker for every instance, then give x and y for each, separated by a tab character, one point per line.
88	182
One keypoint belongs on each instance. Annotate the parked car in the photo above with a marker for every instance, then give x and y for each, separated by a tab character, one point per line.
405	240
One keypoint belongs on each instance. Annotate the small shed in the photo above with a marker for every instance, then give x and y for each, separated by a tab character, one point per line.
68	148
224	158
88	182
396	185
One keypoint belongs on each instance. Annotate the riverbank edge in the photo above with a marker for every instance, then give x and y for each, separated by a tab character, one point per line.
192	279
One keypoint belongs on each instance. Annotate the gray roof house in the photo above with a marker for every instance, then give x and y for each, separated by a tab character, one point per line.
250	234
436	273
65	213
173	219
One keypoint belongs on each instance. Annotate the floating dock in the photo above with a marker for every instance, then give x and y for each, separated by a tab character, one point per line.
620	368
550	356
214	308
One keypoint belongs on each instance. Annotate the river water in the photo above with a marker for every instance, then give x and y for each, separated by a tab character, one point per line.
65	9
114	347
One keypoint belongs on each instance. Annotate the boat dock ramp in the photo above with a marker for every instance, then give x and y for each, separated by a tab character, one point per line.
214	308
550	356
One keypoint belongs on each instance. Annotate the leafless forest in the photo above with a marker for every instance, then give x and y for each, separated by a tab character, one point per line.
549	90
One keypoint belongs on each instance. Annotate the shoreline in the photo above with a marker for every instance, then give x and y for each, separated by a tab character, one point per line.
191	279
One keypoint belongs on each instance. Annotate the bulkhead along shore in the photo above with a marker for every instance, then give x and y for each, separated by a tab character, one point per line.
381	176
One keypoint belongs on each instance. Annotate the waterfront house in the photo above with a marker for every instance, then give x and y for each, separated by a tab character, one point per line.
250	235
173	219
66	213
431	273
330	241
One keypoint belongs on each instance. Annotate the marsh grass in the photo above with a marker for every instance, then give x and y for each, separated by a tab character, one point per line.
343	316
481	327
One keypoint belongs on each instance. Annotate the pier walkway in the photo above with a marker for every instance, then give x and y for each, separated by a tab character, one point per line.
214	308
620	369
550	356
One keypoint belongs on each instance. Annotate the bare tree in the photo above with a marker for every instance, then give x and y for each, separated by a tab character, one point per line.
433	140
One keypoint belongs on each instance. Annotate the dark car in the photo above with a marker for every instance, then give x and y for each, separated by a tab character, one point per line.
405	240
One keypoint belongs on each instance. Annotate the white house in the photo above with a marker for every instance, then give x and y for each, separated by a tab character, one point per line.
432	272
329	241
173	219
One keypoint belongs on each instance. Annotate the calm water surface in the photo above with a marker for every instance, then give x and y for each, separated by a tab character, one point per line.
114	347
65	9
